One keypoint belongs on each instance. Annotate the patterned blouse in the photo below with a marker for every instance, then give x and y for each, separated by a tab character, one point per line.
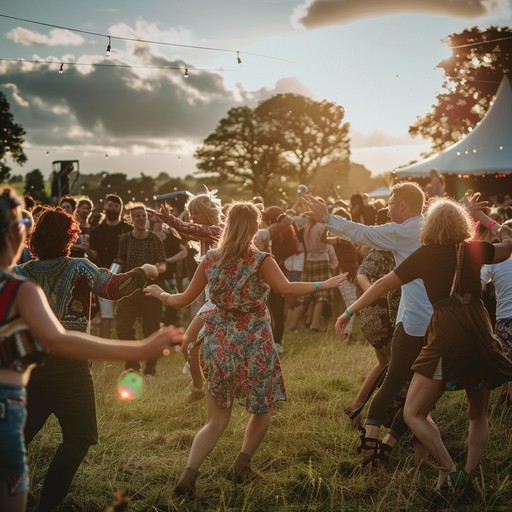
68	283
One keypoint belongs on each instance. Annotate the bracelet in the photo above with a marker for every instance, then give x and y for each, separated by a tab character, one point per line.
317	286
349	313
490	224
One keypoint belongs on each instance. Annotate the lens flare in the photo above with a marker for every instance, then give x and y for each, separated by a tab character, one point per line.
130	385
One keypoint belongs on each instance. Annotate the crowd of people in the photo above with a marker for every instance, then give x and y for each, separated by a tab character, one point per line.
248	272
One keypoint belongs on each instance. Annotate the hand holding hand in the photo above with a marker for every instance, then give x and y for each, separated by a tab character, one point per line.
153	290
150	270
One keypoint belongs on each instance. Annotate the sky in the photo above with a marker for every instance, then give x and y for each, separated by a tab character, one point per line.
376	58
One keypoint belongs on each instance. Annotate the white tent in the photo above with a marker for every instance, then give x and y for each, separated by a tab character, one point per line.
380	193
486	149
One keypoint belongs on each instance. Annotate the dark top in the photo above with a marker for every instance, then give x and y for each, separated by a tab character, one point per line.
105	240
435	265
171	246
135	252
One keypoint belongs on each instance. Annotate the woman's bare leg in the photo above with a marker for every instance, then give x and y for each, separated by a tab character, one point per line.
423	394
478	432
192	357
206	439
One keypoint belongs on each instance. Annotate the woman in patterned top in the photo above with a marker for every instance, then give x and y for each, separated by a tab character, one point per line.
29	328
239	356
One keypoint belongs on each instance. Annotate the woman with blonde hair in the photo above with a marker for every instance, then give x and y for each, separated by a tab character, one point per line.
205	211
239	356
461	351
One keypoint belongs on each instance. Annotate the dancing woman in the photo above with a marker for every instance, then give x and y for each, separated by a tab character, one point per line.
461	351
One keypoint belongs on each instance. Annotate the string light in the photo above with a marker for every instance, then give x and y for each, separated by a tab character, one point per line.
238	59
61	69
133	39
102	65
186	73
109	47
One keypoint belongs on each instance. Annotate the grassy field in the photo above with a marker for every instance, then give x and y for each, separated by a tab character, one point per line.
308	460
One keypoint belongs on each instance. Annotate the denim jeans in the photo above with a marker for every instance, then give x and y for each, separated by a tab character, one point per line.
13	455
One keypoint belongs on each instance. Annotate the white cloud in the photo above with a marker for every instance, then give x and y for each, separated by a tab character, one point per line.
55	37
320	13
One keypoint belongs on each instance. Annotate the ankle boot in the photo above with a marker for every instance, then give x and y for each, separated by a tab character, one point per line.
241	471
186	485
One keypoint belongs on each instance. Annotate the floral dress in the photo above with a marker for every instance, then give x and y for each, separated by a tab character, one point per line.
238	353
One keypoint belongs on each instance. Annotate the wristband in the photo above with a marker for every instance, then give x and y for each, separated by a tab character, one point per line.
317	286
349	313
490	224
160	296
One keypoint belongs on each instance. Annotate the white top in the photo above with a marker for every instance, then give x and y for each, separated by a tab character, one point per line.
403	239
501	275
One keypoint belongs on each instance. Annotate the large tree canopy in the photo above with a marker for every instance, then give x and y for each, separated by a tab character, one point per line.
472	75
310	134
11	138
287	136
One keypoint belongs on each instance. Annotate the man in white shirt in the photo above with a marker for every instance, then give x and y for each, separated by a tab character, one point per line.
401	236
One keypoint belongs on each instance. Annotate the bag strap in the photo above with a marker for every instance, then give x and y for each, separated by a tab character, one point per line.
459	255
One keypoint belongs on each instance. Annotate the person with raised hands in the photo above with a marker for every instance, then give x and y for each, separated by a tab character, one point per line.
239	356
29	330
461	351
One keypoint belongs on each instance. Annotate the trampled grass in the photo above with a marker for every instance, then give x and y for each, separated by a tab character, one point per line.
308	461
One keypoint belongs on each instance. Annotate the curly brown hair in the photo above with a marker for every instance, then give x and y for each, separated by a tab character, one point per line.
54	234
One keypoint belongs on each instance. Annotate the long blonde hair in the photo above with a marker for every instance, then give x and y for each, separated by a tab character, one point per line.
242	222
446	222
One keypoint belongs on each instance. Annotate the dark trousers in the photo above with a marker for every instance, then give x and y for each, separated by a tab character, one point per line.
64	388
404	351
149	311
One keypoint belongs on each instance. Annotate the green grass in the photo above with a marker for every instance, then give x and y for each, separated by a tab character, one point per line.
308	460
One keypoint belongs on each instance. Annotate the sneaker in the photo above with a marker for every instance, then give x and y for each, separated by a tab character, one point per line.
279	348
149	378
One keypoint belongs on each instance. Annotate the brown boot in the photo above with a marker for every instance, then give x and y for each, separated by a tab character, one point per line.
186	485
241	471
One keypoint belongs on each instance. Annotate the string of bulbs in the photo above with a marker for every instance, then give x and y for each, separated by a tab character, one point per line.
147	41
103	65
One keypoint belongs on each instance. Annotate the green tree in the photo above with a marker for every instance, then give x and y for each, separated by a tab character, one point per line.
473	73
239	151
35	186
310	134
11	139
288	136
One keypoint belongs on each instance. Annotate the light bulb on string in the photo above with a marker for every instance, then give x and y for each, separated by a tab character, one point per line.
61	69
109	47
186	73
238	59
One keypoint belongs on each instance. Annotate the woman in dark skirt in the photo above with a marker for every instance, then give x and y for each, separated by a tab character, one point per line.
461	351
